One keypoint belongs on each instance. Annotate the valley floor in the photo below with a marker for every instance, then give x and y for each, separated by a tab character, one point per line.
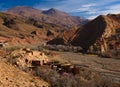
107	67
94	72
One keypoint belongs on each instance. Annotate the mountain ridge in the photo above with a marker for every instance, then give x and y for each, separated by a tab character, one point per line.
49	16
17	30
102	33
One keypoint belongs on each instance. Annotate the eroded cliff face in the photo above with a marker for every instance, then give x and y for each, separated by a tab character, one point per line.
100	35
109	42
87	36
112	22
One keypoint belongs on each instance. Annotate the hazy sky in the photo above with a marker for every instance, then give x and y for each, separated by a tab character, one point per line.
84	8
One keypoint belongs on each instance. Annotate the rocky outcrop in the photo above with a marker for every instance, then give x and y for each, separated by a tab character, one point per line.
102	33
109	40
10	76
89	33
26	58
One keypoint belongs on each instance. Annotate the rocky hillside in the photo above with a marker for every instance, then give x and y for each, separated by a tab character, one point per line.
48	16
104	31
15	29
10	76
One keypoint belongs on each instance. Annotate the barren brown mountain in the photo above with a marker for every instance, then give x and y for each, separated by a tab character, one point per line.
104	32
16	29
105	28
49	16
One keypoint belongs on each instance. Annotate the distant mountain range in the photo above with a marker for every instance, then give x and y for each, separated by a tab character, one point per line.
48	16
28	25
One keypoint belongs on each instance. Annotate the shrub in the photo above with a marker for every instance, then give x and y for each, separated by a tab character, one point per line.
8	22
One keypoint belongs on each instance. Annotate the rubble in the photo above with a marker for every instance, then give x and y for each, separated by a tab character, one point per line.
25	58
64	67
28	59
